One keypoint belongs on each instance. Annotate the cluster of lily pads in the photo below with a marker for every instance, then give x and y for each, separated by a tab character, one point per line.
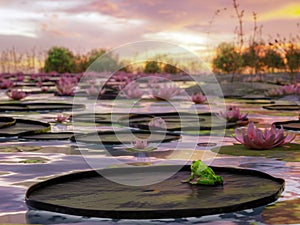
13	83
121	82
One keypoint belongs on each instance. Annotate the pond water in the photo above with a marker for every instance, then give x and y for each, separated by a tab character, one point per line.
53	158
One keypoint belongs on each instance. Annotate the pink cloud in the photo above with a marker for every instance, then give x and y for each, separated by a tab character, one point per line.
109	23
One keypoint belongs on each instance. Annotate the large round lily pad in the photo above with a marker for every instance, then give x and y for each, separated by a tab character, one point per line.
48	136
124	137
22	127
174	122
177	122
289	125
289	152
39	106
6	122
89	194
282	107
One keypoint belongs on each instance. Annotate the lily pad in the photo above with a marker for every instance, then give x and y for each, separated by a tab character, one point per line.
178	122
206	144
68	150
48	136
6	122
23	127
173	123
259	101
39	106
144	153
80	193
140	150
24	148
98	117
289	152
282	107
31	160
289	125
286	212
124	137
255	97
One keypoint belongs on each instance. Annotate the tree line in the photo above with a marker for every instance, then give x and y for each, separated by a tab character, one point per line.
257	58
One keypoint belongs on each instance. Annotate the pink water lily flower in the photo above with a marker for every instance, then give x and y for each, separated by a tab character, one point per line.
165	92
233	114
95	91
198	98
65	86
140	143
16	95
255	138
158	122
61	118
6	83
132	90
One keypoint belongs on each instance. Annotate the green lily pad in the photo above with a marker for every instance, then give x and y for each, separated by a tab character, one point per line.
255	97
48	136
31	160
9	149
98	117
289	152
24	148
286	212
259	102
177	122
282	107
20	148
39	106
68	150
6	121
289	125
124	137
80	193
147	149
22	127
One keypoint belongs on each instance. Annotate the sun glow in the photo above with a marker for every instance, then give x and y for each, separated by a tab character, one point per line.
290	11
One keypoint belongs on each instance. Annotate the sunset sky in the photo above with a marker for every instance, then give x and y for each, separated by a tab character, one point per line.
82	25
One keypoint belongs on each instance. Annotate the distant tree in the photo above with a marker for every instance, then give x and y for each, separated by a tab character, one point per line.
273	60
293	59
81	62
252	57
152	67
168	68
228	59
59	59
103	61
